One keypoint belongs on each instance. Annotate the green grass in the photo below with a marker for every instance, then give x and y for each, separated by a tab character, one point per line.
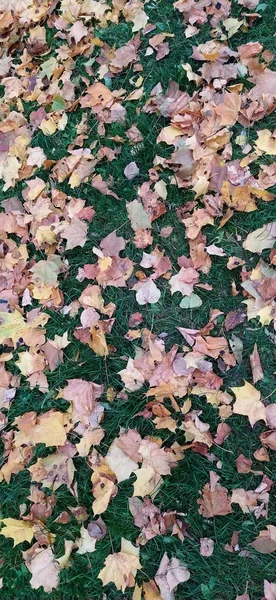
224	575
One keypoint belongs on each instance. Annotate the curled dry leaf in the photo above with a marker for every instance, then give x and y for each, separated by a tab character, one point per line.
256	367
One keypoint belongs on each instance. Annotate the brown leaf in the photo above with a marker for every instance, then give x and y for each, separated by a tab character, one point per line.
256	367
265	543
233	319
223	431
243	464
214	500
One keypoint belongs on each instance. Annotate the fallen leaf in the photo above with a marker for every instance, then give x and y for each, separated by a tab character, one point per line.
170	574
260	239
121	567
265	543
256	367
20	531
147	292
85	543
269	590
206	547
75	233
131	170
43	568
214	500
248	403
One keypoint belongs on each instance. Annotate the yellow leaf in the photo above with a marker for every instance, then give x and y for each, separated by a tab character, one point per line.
45	234
168	134
48	429
29	363
265	315
63	561
20	531
103	488
13	326
261	238
248	403
137	593
98	342
121	567
266	142
119	462
232	26
48	126
74	180
147	483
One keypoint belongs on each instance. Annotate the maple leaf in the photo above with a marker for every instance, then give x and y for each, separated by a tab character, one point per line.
214	501
147	483
184	281
119	462
54	470
16	462
248	403
104	488
13	326
170	574
75	233
112	245
264	83
260	239
138	216
20	531
85	543
43	567
83	395
147	292
78	31
132	377
121	567
269	590
265	543
49	429
229	109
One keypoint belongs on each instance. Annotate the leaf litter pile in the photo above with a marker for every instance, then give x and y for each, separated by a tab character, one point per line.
138	285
